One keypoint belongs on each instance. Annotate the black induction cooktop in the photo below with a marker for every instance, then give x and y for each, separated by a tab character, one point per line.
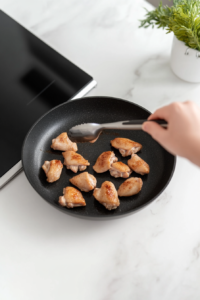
34	79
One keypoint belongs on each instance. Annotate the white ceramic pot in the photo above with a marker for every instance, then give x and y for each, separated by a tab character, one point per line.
185	62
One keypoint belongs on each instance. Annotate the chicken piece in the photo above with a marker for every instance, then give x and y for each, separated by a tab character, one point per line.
52	169
84	181
138	165
63	143
71	198
119	169
107	195
130	187
104	161
75	161
126	147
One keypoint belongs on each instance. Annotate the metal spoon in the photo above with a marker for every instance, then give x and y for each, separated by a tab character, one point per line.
89	132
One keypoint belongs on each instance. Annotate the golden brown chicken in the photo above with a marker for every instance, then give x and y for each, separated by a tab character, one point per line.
75	161
126	147
138	165
84	181
63	143
52	169
104	161
130	187
119	169
71	198
107	195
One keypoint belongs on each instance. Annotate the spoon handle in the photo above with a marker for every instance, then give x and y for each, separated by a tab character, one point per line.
162	123
132	124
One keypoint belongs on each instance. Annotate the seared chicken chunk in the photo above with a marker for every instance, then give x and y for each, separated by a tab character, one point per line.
104	161
130	187
138	165
75	161
119	169
126	147
107	195
71	198
52	169
63	143
84	181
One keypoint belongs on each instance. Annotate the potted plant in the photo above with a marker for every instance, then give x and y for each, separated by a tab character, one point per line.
183	19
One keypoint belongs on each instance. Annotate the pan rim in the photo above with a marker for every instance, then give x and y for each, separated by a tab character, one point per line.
98	217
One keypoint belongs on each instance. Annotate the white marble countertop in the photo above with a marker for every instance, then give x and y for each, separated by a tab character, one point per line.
153	254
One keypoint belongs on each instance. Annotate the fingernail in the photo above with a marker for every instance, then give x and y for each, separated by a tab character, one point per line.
145	126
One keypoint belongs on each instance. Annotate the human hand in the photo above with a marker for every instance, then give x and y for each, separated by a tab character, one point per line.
182	137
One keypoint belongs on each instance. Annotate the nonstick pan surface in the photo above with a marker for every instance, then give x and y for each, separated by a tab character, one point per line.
36	149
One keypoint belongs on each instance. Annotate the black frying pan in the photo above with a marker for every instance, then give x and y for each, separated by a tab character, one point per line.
36	149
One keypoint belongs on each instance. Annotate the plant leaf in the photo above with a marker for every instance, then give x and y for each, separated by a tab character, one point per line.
183	18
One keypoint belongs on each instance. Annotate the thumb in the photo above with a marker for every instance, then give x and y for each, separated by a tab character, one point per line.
155	130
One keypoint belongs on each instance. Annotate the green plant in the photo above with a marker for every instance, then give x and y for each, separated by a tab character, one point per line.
183	18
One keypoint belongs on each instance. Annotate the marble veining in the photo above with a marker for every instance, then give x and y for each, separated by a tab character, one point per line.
152	254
